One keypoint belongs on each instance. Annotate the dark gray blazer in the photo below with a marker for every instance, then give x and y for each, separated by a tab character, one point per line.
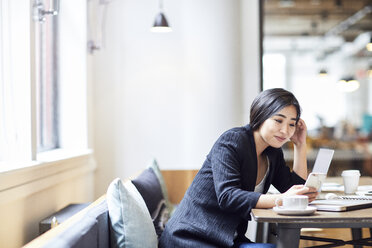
216	208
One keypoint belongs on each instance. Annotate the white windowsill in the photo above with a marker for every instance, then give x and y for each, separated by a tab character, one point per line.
50	169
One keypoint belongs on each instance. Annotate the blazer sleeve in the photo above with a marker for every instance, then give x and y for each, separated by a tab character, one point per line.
284	178
226	169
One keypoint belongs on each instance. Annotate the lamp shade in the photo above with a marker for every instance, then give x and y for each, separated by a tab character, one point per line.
323	72
369	45
348	84
161	24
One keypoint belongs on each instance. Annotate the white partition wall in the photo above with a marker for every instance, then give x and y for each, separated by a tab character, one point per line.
171	95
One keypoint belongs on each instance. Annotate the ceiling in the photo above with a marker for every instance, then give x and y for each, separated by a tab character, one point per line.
310	18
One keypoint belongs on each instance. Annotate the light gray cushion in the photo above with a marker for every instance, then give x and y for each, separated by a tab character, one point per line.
131	222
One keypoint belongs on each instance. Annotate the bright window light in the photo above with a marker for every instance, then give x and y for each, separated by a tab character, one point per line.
348	85
274	67
15	112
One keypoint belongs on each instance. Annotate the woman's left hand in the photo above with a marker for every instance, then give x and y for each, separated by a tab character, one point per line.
299	137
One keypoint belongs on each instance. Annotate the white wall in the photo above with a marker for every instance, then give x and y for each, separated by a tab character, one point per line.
170	96
250	54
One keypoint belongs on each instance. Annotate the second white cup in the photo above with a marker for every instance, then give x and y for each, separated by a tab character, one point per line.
351	180
293	202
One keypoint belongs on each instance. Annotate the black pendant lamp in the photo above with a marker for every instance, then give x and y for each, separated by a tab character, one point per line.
161	24
323	72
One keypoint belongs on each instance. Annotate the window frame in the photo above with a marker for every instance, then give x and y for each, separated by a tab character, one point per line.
46	81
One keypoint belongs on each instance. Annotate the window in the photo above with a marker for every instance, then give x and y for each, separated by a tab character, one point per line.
28	164
274	70
43	101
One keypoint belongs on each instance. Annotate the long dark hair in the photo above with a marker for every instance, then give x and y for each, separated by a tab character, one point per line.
269	102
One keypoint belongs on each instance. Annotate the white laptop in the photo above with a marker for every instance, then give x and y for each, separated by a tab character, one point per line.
342	204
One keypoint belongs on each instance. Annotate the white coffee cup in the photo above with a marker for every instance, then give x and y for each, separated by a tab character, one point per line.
351	180
293	202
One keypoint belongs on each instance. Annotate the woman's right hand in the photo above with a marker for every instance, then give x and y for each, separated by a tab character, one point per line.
268	200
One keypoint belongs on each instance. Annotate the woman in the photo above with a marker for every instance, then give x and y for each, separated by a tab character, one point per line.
237	173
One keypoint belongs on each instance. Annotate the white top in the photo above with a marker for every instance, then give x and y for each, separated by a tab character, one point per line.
260	187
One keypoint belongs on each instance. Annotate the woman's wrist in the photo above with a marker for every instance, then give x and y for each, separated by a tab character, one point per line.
300	147
300	161
268	200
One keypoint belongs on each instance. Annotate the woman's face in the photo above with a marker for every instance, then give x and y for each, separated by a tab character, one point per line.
279	128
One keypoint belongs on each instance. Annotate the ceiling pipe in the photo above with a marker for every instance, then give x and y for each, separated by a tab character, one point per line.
344	25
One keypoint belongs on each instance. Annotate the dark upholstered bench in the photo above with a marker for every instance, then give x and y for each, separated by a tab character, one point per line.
61	216
132	213
90	227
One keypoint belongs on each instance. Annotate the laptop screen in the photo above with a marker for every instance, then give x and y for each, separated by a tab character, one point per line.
323	160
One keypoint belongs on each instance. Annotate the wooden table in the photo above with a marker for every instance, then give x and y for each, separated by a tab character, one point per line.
289	227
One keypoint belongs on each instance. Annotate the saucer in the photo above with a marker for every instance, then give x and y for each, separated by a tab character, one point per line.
307	211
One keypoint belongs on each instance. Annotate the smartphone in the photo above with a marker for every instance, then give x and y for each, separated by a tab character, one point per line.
315	180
